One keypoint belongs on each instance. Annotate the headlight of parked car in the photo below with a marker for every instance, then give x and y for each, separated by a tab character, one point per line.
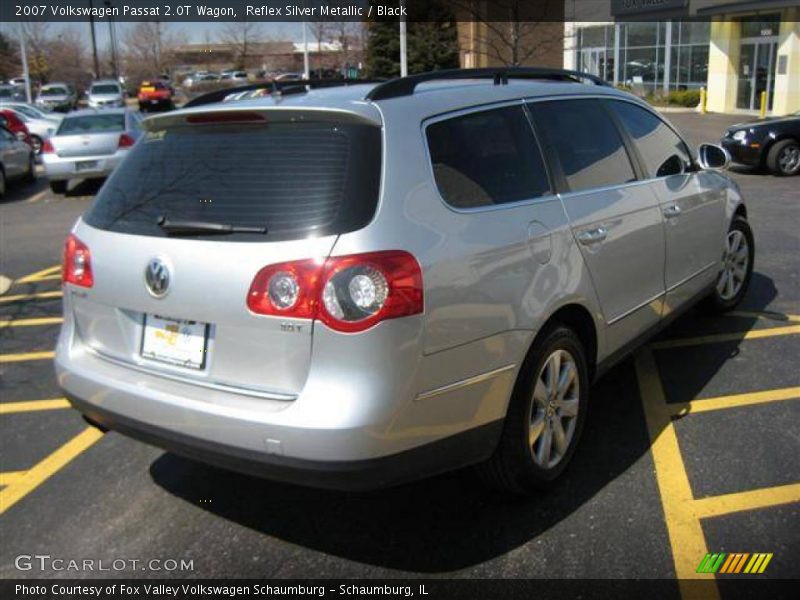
740	135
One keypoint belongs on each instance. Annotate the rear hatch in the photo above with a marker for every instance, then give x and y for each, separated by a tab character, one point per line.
89	134
305	179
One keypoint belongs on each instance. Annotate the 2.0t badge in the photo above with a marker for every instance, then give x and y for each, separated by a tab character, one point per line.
157	277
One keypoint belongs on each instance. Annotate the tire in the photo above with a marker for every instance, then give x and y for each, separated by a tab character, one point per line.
784	157
30	176
36	141
518	465
726	296
58	187
2	183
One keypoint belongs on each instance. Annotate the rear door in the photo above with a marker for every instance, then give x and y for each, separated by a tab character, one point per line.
615	218
692	202
305	182
89	135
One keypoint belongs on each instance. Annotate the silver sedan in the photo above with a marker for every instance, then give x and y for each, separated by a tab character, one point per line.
89	144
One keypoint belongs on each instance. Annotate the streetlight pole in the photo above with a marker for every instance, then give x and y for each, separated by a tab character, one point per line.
306	67
94	41
403	44
25	72
112	37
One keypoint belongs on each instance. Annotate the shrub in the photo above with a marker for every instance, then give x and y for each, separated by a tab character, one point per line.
688	98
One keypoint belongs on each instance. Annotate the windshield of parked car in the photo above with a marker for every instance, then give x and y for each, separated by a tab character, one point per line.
105	88
91	124
54	91
294	179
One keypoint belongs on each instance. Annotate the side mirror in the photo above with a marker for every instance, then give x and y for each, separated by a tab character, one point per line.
711	156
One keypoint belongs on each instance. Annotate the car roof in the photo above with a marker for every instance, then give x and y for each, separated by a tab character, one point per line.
105	81
429	98
85	112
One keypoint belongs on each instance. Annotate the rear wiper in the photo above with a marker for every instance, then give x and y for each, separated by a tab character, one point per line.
207	227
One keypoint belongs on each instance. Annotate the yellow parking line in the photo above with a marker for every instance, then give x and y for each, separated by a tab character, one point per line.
38	275
11	477
735	400
726	337
683	528
30	322
37	197
37	296
42	471
7	408
715	506
26	356
766	316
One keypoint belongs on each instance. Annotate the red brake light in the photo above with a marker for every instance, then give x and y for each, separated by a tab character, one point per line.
126	141
77	267
47	147
347	293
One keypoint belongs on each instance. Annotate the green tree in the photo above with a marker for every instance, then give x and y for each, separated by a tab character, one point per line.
9	58
432	42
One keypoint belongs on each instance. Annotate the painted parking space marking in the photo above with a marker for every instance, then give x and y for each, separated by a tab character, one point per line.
10	477
764	316
26	297
40	275
30	322
26	356
37	197
715	506
8	408
716	338
23	485
733	401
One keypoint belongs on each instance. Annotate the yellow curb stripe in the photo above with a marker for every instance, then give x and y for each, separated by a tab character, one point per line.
42	471
37	296
26	356
11	477
716	338
30	322
38	275
715	506
683	527
8	408
733	401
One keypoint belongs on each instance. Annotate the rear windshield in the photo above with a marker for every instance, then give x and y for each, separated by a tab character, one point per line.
54	91
294	179
6	92
109	88
91	124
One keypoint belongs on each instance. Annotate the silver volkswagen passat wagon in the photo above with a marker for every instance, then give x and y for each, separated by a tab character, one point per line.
355	286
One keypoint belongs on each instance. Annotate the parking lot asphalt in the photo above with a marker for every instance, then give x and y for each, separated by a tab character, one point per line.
690	448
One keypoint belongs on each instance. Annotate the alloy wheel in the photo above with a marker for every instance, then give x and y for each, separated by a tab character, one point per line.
789	159
554	410
734	265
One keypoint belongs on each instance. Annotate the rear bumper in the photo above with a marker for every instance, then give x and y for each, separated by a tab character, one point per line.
355	475
58	168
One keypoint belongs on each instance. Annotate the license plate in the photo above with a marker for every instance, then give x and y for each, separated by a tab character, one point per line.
86	165
153	101
175	341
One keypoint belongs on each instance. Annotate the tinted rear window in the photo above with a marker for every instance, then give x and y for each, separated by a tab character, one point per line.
294	179
54	91
105	89
92	124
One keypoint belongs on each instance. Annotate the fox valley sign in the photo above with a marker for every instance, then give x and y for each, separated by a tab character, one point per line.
626	7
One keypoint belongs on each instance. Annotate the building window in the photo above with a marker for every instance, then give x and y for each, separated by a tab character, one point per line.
689	55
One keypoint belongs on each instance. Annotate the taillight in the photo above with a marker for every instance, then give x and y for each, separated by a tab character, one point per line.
77	267
347	293
126	141
47	147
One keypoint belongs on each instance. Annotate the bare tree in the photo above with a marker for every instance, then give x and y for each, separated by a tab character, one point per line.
514	32
242	36
149	49
347	35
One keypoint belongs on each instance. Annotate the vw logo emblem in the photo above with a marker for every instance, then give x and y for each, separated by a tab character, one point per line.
157	277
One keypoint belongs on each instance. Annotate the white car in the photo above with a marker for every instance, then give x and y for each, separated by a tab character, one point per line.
106	94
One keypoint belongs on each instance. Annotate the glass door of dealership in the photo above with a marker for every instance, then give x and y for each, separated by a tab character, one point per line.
757	72
597	62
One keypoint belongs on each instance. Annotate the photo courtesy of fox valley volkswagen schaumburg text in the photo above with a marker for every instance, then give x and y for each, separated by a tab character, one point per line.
407	298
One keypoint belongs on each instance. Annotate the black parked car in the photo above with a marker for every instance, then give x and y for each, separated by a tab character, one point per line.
773	143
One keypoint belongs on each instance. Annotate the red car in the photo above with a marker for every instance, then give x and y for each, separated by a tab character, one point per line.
155	95
14	124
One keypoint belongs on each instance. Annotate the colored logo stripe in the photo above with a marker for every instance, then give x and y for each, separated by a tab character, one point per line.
734	563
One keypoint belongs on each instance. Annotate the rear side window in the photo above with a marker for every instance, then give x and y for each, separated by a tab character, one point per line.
92	124
585	141
486	158
663	152
295	179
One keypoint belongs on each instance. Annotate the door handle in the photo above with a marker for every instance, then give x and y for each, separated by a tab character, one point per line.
670	212
592	236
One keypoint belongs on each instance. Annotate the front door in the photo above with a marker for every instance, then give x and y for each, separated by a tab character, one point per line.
756	73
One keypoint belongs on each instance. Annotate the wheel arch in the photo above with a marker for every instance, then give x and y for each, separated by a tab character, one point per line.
578	318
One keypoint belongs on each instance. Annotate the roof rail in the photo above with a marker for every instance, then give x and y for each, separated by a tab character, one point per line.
404	86
276	87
